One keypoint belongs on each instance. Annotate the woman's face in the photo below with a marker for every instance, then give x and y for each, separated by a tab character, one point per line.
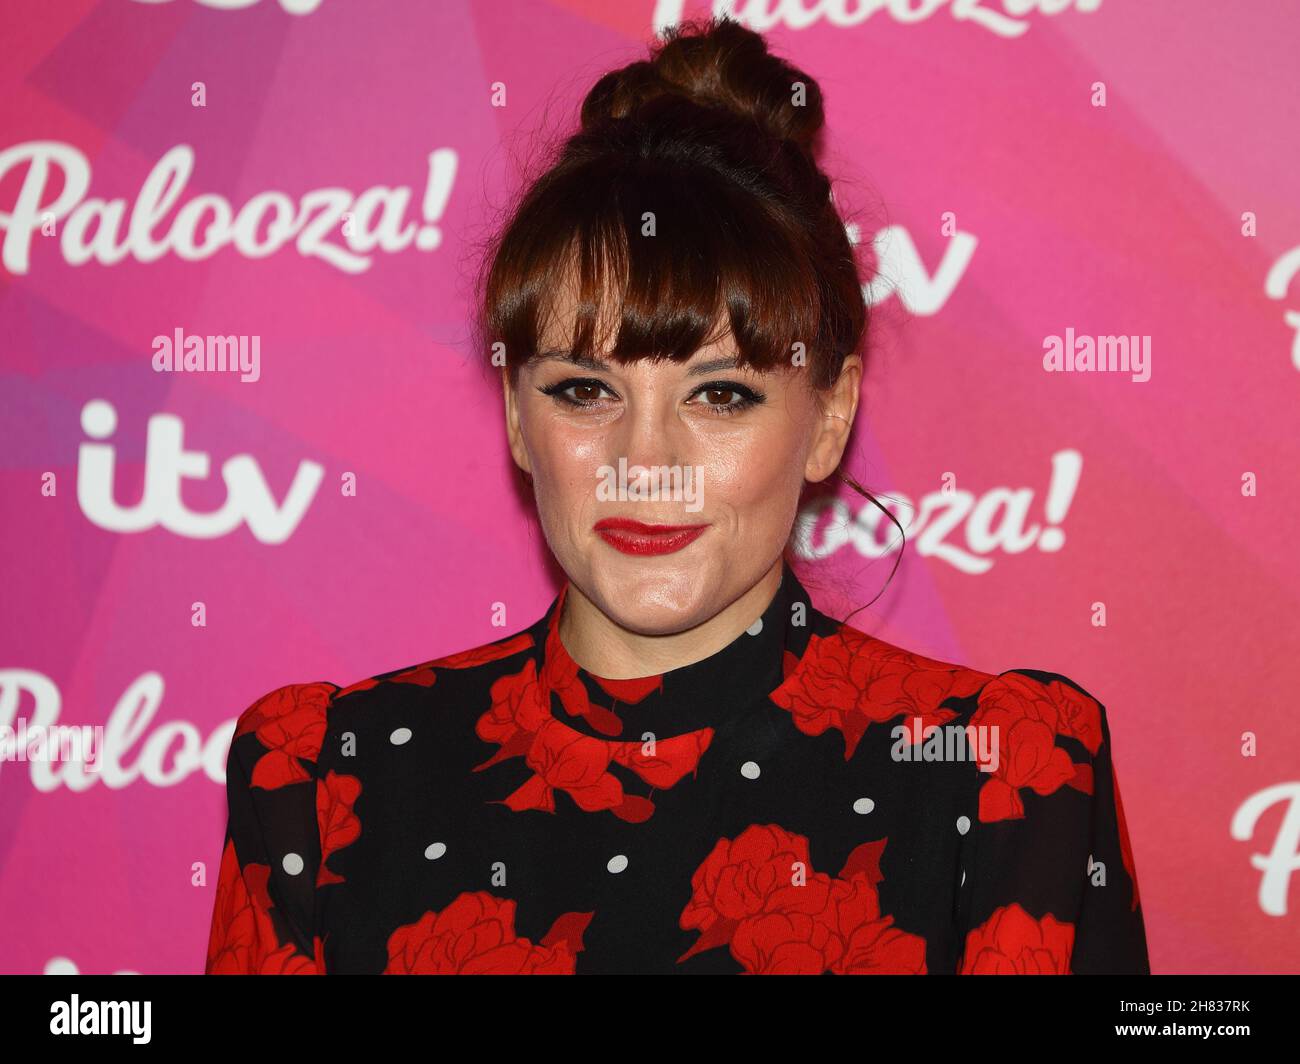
727	449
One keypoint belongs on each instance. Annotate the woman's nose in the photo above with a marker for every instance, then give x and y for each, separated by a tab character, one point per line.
650	434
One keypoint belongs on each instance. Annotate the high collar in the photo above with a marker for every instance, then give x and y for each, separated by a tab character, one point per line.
689	698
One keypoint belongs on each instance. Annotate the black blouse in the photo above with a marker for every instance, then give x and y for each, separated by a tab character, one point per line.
808	799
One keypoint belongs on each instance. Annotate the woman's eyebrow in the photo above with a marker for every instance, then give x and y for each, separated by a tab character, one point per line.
582	361
700	369
712	366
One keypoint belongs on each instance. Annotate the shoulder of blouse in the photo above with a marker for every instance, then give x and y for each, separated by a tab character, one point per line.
288	723
427	674
1079	714
1060	710
951	684
923	678
301	708
1044	833
845	662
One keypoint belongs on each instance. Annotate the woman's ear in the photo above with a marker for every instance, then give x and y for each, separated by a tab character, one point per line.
514	434
837	408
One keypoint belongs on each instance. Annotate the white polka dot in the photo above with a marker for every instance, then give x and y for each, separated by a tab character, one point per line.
963	877
863	805
963	824
292	863
756	627
617	864
750	770
435	850
400	736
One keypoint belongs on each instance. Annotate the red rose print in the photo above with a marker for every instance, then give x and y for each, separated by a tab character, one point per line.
631	691
425	674
1125	849
560	675
850	680
1011	942
759	895
570	761
360	685
338	824
469	659
518	710
475	935
1079	715
784	944
286	962
243	939
736	878
865	861
871	945
1028	716
290	723
520	722
579	765
673	758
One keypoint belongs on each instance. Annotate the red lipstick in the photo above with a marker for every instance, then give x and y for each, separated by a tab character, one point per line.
635	537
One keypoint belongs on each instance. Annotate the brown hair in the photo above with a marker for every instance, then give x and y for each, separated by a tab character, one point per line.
714	137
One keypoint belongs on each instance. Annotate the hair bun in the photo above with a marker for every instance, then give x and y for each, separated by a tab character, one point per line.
719	64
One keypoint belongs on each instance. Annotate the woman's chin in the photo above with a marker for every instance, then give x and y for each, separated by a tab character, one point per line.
655	597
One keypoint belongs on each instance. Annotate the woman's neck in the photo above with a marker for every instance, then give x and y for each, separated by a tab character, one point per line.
604	648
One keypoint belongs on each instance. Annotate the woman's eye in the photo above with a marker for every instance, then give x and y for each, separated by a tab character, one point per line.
727	399
584	393
576	392
717	398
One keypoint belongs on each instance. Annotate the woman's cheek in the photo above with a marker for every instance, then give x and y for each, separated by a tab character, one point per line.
571	468
756	474
561	458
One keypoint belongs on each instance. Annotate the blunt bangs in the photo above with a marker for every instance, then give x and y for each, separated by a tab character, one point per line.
661	260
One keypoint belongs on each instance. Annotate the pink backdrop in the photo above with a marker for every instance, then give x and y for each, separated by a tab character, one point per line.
1087	169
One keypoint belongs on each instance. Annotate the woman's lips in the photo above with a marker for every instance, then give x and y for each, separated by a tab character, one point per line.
634	537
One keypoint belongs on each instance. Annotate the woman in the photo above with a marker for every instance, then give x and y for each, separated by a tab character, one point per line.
683	766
